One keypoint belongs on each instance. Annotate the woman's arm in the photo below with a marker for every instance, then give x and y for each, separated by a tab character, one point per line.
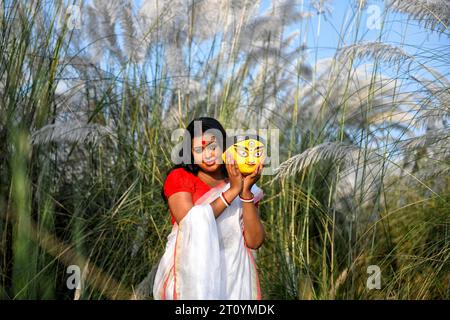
181	202
254	233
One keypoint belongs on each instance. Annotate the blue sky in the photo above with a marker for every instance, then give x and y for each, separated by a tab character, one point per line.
397	30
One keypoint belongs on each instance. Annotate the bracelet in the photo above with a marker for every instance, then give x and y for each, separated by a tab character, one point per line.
224	200
247	200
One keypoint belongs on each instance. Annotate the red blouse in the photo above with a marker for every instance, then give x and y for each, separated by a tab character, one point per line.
180	180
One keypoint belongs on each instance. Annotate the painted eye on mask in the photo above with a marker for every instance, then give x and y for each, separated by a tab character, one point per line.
242	153
258	154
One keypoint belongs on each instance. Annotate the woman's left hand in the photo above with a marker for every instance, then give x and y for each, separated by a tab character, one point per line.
252	178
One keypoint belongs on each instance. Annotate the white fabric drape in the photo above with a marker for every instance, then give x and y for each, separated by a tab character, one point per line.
206	258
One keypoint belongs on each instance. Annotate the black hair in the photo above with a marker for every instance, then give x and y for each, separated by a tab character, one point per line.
207	123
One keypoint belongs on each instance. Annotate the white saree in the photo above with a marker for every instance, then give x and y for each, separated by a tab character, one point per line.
206	258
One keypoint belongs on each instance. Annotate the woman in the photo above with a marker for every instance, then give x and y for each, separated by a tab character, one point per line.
216	223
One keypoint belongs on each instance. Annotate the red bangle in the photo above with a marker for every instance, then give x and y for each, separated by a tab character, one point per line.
228	202
253	197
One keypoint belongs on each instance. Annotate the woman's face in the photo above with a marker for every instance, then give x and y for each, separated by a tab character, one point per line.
207	152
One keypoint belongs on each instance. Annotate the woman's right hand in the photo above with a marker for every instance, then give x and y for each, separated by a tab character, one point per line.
235	176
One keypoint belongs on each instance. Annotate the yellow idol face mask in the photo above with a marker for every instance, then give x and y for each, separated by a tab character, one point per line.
247	153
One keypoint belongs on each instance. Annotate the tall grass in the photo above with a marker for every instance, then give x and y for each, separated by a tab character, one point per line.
87	111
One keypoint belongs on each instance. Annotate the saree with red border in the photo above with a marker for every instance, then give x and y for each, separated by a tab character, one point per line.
206	258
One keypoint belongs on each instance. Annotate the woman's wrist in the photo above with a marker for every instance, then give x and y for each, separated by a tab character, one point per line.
246	194
232	193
